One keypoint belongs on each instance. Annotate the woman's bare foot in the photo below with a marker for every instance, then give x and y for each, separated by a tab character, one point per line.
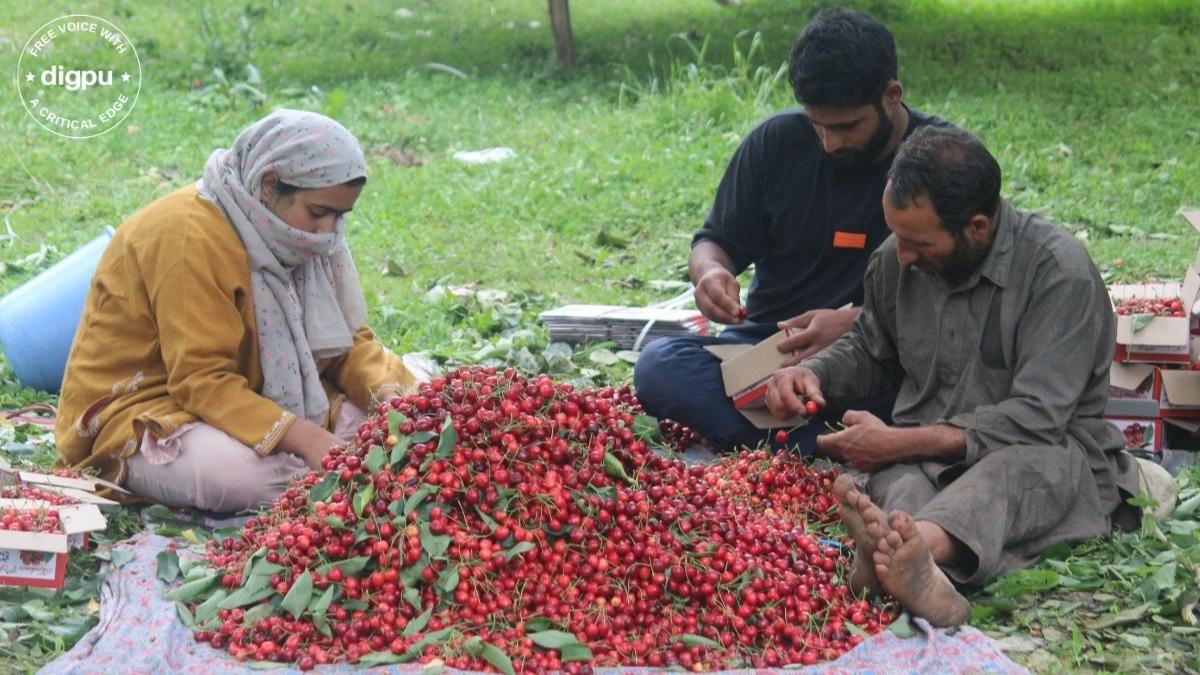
867	525
907	571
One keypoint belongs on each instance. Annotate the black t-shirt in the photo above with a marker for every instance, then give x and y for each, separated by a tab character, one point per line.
808	225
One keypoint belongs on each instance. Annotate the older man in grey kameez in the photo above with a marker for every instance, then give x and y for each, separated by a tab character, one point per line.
997	329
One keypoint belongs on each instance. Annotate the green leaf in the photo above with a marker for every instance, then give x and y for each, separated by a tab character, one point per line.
118	557
852	629
1024	582
1139	641
692	640
394	420
606	239
1187	507
417	497
499	660
448	580
538	624
410	575
1131	615
1164	578
322	491
193	589
299	595
646	428
384	659
901	628
418	624
265	569
336	523
448	438
322	603
257	613
168	566
264	665
349	566
185	615
247	595
473	647
517	549
1139	321
553	639
363	498
613	467
249	566
488	520
400	451
413	596
579	652
208	609
422	436
603	357
375	459
434	545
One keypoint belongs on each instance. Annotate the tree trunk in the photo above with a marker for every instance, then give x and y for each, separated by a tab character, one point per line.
560	23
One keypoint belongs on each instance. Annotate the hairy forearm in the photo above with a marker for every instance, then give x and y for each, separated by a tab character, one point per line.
940	443
704	257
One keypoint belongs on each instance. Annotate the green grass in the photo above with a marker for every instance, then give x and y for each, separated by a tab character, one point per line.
1089	106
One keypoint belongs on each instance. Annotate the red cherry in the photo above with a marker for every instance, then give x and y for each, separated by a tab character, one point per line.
811	408
781	436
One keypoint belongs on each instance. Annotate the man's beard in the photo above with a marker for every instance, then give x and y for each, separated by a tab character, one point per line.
963	261
864	156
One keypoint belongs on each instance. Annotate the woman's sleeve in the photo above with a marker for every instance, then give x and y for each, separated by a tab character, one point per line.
189	280
369	373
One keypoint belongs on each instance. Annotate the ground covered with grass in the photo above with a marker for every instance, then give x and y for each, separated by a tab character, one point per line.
1089	107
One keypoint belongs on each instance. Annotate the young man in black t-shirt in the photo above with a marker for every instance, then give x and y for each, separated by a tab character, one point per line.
802	201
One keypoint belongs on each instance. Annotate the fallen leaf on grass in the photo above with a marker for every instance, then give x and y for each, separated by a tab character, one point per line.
603	357
400	156
1132	615
1019	643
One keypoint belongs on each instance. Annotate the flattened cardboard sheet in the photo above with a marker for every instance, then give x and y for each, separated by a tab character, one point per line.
744	366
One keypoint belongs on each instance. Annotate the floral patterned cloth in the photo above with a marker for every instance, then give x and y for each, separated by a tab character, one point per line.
140	634
307	298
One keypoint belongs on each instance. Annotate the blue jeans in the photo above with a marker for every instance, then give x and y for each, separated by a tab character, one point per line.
678	379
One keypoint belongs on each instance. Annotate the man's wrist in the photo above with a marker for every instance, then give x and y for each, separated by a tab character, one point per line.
940	442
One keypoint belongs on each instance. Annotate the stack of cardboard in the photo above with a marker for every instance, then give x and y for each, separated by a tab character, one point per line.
629	327
1155	377
40	558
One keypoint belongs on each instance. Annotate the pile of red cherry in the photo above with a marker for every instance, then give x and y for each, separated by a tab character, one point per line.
495	521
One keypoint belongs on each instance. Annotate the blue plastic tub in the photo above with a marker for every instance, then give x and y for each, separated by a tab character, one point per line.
38	319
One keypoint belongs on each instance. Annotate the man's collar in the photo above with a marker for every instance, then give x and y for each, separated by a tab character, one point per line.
996	263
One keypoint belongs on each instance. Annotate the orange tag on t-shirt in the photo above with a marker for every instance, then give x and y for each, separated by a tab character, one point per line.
849	240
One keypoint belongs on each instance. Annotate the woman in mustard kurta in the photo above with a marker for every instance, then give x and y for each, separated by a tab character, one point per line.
223	348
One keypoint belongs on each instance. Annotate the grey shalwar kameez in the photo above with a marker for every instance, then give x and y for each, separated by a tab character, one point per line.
1017	356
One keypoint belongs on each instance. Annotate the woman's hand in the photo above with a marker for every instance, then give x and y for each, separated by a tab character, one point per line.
309	442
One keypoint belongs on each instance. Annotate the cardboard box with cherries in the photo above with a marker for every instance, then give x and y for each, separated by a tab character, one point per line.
42	517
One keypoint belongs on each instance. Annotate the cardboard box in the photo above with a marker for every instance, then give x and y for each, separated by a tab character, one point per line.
1179	393
1140	433
1193	218
40	558
745	371
1155	339
1131	391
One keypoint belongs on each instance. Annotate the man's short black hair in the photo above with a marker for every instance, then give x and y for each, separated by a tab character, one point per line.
952	169
843	58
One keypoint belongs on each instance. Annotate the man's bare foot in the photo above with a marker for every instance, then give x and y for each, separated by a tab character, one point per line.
867	524
907	571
